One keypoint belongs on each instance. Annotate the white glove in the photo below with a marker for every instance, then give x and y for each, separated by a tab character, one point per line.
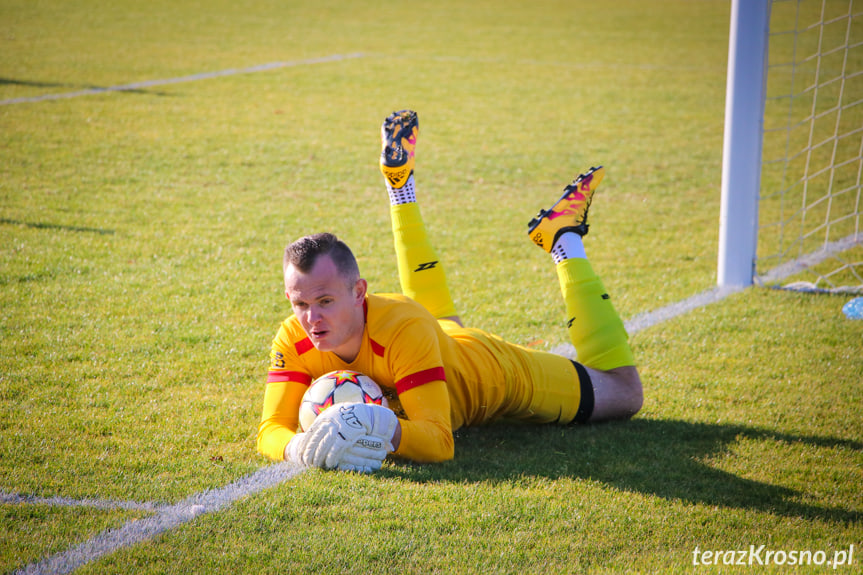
295	448
365	456
378	421
340	426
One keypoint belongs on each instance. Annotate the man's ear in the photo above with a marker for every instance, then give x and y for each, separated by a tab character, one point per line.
360	289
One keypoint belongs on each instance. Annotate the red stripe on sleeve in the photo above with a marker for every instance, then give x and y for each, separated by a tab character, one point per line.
297	376
377	348
303	346
419	378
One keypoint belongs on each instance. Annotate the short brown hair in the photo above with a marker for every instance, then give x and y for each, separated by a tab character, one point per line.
304	252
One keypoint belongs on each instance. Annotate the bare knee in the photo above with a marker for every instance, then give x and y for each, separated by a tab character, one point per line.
618	393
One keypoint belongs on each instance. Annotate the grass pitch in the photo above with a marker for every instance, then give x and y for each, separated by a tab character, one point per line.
140	244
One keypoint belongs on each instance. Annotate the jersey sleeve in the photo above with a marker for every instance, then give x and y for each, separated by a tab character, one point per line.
287	382
417	365
427	433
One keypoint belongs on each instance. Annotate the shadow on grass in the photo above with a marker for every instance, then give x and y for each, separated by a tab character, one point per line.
13	82
653	457
44	226
39	84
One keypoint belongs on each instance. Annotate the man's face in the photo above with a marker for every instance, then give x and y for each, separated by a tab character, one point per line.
330	311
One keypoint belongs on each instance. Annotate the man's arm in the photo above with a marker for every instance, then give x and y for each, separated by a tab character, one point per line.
287	382
280	416
426	434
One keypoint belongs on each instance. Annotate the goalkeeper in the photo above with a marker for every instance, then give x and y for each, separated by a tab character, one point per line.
441	375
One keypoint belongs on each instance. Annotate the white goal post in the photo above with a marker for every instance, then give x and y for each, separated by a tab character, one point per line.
741	150
793	145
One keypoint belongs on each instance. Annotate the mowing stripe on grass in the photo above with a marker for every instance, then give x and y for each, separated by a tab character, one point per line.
170	517
534	62
182	79
166	518
332	58
15	498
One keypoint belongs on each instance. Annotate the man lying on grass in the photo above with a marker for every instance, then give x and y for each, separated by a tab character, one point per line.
443	375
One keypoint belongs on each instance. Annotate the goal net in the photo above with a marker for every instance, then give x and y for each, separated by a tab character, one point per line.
809	205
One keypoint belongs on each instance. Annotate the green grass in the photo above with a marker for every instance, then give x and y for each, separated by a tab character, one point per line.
33	531
140	245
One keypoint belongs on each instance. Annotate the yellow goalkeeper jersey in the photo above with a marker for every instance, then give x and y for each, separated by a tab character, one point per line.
438	375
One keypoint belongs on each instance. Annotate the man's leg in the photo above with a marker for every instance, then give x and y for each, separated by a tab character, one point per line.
595	328
421	273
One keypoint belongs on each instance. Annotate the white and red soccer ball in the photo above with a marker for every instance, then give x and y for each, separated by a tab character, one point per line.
342	386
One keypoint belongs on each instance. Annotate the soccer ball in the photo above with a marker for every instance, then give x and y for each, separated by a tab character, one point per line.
338	387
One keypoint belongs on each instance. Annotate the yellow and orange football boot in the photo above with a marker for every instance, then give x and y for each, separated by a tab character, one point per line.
569	213
399	134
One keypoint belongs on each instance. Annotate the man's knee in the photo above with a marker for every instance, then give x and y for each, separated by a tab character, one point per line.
632	392
618	393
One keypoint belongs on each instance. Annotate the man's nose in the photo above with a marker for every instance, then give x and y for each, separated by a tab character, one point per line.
314	315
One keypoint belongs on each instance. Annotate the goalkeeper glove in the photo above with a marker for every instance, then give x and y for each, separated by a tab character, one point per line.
295	448
340	426
365	456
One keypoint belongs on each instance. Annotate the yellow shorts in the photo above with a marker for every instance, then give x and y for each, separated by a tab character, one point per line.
517	383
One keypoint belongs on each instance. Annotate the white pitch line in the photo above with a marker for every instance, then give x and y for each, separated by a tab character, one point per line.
651	318
670	311
182	79
719	293
167	518
828	250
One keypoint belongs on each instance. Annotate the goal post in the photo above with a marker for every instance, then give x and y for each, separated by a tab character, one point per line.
792	165
741	151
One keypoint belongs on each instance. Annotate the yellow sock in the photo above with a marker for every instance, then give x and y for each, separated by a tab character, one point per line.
420	272
595	329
